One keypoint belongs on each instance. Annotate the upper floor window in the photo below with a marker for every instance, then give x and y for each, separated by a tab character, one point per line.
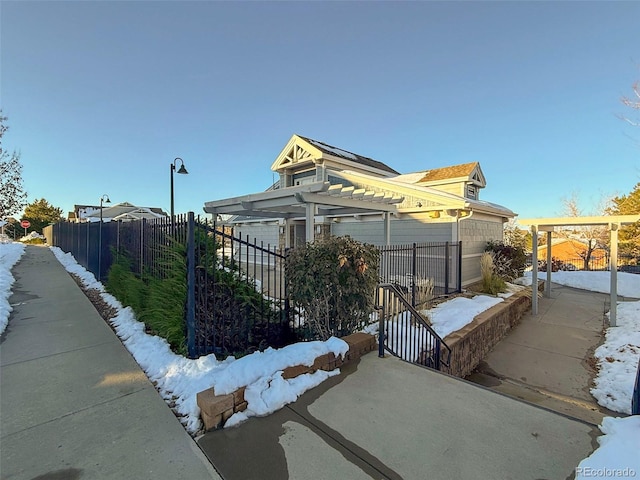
472	192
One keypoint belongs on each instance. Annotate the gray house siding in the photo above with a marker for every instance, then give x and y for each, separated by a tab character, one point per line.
268	234
475	233
403	231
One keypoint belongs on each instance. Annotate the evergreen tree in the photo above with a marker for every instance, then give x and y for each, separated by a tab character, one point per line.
41	213
629	235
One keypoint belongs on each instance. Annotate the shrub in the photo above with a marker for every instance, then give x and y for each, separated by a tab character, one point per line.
333	280
491	281
159	303
509	260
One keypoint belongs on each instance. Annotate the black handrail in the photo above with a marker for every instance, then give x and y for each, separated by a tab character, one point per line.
635	400
409	337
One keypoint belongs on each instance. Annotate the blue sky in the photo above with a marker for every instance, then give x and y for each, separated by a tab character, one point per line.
102	96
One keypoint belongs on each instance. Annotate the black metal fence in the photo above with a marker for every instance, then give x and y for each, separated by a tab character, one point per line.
420	268
240	294
237	296
405	333
626	263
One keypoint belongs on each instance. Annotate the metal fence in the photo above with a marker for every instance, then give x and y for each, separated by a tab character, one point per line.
626	263
416	266
237	295
240	294
405	333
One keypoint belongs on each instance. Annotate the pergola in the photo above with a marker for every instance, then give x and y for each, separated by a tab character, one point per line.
549	224
308	201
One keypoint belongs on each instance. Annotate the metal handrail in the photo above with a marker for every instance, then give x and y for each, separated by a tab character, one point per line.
442	351
635	400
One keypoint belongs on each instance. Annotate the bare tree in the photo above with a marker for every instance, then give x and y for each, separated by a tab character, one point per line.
632	102
12	195
593	237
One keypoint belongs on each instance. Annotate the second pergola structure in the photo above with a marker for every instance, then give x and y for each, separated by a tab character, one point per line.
549	225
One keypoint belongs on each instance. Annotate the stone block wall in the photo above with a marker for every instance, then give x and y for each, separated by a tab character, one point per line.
215	410
474	341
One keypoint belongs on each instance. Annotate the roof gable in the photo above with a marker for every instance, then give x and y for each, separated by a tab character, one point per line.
303	150
469	172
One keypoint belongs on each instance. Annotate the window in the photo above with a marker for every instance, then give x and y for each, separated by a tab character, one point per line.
471	192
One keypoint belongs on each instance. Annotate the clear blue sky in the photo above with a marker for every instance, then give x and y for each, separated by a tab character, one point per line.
102	96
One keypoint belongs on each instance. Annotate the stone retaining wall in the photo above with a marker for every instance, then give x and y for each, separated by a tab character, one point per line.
215	410
474	341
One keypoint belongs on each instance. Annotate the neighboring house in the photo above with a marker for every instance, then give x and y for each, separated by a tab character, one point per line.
327	190
121	211
573	251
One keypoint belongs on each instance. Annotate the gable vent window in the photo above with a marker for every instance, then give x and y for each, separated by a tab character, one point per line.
471	192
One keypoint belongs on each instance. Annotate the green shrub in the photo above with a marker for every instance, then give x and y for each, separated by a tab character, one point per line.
333	281
158	302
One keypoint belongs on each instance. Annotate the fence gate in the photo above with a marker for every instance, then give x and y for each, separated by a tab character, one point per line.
238	292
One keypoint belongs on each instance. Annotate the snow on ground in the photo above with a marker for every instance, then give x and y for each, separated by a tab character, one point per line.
617	456
180	379
450	316
447	317
628	283
618	360
10	253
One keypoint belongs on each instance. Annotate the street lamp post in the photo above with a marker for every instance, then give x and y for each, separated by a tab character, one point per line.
103	199
182	171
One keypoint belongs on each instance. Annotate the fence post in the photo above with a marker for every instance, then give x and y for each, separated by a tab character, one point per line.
142	223
447	255
460	266
414	269
382	312
191	287
87	256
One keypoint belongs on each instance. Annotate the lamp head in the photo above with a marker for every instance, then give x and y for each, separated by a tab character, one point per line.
181	170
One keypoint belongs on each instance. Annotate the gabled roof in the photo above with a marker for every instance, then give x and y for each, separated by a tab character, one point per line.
470	172
128	210
300	150
338	152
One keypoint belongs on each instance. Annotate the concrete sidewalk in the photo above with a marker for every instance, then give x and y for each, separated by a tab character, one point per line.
546	358
388	419
73	402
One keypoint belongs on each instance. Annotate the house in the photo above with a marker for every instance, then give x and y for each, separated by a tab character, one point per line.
573	252
124	211
324	189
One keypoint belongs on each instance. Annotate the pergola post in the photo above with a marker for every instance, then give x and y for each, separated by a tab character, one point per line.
287	234
613	269
534	270
547	287
387	227
310	221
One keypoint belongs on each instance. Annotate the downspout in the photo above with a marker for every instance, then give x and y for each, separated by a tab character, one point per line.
458	219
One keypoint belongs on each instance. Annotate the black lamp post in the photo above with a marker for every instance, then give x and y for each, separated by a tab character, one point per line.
182	171
103	199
